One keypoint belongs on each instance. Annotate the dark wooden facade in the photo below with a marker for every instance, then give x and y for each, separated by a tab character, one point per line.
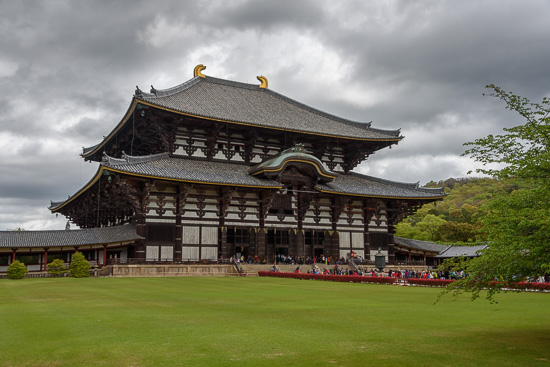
186	181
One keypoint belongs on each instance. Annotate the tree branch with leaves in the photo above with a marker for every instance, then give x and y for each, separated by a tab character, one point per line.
517	223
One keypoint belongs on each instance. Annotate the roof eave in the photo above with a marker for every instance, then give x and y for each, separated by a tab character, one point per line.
395	140
96	148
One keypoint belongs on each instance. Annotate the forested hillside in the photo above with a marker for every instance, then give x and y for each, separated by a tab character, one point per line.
458	217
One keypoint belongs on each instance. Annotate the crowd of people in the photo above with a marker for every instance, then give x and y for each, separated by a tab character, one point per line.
333	266
337	269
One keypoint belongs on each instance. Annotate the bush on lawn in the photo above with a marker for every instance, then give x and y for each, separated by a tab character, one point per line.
16	270
56	267
80	267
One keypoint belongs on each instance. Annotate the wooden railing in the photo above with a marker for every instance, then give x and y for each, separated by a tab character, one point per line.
354	266
237	266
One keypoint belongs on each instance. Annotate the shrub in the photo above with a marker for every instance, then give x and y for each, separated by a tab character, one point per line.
16	270
56	267
80	267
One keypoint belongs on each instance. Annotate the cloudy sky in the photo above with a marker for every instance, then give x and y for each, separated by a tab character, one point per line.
68	71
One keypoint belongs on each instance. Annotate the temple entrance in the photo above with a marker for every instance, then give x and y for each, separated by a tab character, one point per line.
281	251
279	241
315	242
318	252
239	239
242	251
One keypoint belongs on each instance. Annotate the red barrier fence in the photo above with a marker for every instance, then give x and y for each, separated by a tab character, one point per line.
330	278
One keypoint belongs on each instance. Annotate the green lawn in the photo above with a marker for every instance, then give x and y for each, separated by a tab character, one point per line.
263	322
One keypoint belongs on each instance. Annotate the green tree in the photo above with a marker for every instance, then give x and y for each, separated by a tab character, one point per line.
429	225
80	267
516	222
16	270
56	267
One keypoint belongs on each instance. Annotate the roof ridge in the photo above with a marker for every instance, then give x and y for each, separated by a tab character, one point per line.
158	93
407	185
131	159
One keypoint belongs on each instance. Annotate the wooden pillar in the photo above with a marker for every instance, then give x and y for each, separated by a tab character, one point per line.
391	248
45	264
224	251
327	248
104	255
335	240
410	262
13	254
300	243
261	244
368	212
178	241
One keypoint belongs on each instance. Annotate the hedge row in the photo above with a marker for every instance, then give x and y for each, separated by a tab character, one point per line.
331	278
430	282
445	282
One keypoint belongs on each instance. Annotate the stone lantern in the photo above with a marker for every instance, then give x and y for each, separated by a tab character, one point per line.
380	260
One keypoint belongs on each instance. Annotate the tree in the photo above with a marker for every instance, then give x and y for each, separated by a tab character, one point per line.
80	267
517	223
56	267
430	226
16	270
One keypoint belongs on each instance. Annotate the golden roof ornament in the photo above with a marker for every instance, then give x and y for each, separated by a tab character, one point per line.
263	79
198	69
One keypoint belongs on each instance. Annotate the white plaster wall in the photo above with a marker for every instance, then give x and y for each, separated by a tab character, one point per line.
209	235
345	241
357	240
151	253
190	253
159	220
190	235
210	253
167	253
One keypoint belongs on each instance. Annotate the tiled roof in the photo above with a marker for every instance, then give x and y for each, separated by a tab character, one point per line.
232	174
466	251
161	165
420	245
362	185
249	104
62	238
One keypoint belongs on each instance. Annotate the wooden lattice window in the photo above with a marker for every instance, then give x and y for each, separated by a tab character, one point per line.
238	236
161	233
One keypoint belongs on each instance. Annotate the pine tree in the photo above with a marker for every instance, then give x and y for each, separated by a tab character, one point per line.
56	267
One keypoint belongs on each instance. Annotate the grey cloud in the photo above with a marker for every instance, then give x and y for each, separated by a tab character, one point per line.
78	64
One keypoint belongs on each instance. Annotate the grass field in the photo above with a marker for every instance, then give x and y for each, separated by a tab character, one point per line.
263	322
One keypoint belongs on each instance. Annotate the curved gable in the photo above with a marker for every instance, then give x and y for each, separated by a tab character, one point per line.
296	156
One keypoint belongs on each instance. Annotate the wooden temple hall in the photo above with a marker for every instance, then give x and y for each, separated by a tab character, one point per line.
214	168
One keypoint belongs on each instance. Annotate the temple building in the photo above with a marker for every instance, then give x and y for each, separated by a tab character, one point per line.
214	168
